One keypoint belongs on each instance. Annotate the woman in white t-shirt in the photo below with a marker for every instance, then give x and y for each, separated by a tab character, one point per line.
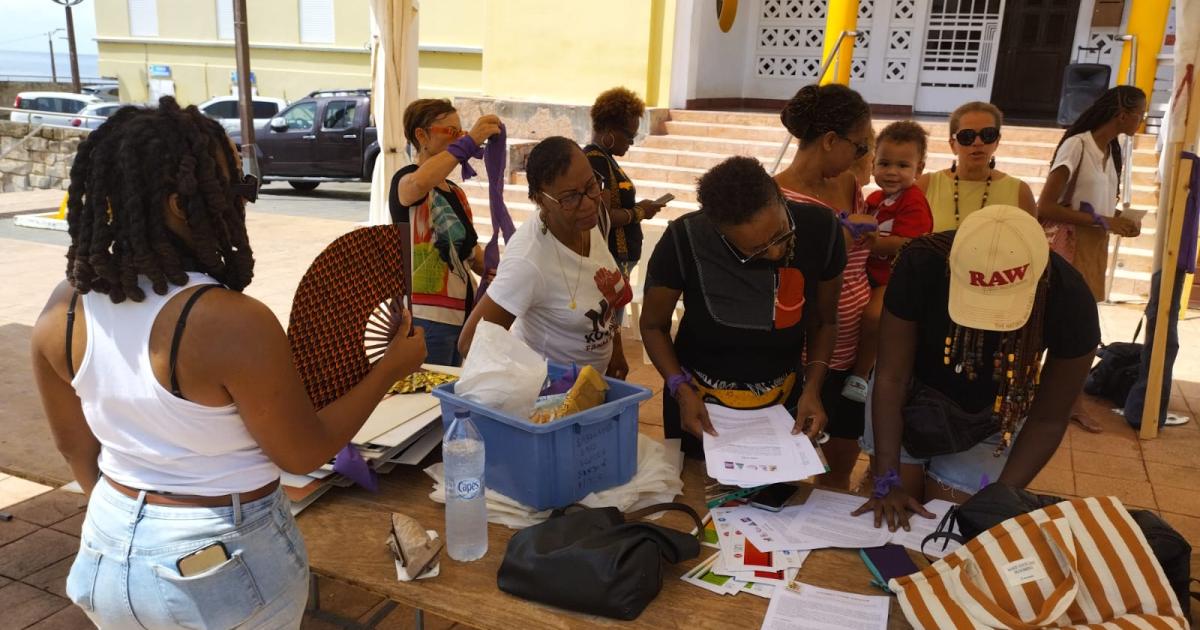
558	287
1078	204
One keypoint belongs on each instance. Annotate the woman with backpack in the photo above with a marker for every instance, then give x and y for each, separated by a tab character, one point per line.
1078	204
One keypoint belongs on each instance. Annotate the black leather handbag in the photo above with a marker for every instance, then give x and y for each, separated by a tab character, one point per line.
934	424
596	560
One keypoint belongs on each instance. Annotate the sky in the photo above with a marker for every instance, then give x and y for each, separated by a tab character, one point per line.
26	22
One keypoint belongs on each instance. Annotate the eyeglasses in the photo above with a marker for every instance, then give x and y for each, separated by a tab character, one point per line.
453	132
966	137
860	148
247	188
573	199
762	251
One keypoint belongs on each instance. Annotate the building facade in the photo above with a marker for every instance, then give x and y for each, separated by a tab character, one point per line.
923	56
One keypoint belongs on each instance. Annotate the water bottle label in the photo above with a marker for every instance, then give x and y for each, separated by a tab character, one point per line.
468	488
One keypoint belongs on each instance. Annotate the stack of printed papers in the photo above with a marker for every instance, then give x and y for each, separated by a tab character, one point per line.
756	447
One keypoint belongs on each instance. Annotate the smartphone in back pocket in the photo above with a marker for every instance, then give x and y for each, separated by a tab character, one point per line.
202	559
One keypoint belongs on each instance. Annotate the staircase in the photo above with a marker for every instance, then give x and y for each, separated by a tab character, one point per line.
697	140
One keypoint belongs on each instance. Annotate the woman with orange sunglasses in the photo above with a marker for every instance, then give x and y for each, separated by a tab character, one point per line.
445	246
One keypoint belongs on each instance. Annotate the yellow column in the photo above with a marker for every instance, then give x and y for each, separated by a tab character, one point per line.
842	15
1148	21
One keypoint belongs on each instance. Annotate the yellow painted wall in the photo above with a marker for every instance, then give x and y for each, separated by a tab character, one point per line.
568	52
536	50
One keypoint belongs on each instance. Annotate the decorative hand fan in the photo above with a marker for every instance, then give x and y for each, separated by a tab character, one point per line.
347	308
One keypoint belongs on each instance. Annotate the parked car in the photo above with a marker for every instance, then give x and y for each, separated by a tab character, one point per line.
326	136
225	110
94	115
50	108
103	92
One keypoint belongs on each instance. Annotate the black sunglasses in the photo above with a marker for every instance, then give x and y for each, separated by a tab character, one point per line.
966	137
247	188
860	148
760	252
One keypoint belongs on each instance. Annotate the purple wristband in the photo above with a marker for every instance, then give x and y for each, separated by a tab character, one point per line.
675	380
884	484
464	149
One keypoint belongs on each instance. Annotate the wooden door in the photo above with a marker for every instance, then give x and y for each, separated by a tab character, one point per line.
1036	44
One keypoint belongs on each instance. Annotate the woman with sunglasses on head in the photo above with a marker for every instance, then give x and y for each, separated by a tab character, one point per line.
445	246
616	115
1078	204
972	180
172	395
832	126
558	287
759	277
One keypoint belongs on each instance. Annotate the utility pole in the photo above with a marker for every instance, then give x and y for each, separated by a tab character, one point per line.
67	4
53	66
241	43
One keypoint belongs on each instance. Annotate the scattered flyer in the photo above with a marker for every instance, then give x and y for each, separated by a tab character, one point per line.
756	447
800	606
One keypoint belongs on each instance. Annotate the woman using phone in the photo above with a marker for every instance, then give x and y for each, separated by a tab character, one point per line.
172	395
616	115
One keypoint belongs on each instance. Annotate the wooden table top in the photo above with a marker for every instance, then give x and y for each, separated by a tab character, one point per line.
345	532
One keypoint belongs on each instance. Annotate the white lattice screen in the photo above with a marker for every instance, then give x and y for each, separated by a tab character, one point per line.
789	36
958	60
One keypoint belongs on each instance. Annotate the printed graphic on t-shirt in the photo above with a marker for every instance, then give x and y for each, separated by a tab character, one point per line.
436	231
615	294
789	298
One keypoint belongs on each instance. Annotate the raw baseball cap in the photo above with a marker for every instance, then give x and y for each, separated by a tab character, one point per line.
996	262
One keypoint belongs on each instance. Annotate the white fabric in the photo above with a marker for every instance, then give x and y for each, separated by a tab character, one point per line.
393	86
149	438
535	281
1097	181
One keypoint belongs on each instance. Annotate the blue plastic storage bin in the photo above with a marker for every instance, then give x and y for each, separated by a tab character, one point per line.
555	464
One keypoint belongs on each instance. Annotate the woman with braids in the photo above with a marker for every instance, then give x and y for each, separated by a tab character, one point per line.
616	115
172	395
967	316
832	125
759	276
1078	203
558	287
445	247
972	181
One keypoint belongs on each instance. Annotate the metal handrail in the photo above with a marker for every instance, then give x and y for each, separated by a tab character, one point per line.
1126	172
833	54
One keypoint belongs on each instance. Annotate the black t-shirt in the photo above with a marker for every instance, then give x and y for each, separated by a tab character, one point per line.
919	292
751	341
625	242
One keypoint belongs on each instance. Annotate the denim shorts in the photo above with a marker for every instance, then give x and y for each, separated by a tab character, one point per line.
125	574
964	471
441	342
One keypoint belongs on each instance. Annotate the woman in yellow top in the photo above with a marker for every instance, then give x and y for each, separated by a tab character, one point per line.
972	180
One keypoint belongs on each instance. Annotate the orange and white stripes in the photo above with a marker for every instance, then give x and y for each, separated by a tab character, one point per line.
1076	564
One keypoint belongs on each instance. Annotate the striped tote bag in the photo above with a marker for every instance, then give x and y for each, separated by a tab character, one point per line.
1075	564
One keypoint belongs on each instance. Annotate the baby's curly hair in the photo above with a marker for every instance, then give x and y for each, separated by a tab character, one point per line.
614	107
123	175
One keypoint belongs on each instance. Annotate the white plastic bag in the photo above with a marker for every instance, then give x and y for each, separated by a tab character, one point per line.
501	372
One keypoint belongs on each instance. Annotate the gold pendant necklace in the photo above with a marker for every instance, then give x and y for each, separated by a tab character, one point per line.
563	271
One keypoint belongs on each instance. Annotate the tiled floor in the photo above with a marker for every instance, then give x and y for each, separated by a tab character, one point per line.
14	490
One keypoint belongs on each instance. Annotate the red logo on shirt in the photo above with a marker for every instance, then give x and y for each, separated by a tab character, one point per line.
999	278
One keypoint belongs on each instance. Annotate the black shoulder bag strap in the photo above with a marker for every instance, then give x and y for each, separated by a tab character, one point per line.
71	334
179	326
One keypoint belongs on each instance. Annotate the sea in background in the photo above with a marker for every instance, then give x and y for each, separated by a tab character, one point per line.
35	66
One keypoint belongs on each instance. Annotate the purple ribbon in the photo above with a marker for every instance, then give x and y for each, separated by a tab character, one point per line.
464	149
1097	219
884	484
495	160
351	465
1191	216
857	230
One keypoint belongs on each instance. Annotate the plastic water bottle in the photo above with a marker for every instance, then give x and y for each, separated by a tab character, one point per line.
466	507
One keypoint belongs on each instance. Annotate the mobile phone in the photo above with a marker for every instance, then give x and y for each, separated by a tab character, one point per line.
664	200
202	560
773	497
